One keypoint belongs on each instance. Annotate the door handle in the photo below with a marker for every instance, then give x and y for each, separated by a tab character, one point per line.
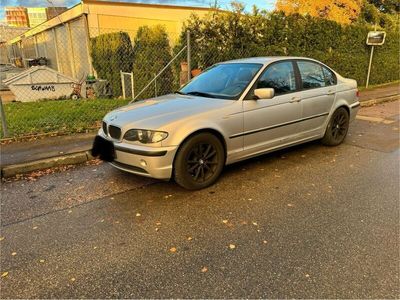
330	92
295	99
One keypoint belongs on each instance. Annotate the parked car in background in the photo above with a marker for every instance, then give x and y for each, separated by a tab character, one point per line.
232	111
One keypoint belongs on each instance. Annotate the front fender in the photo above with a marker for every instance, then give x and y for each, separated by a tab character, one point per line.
183	131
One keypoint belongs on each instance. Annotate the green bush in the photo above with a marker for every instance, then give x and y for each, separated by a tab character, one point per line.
152	54
112	53
230	35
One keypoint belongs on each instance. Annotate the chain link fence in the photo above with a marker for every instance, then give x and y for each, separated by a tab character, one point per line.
60	81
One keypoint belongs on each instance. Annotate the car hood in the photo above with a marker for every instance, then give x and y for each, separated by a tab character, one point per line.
156	112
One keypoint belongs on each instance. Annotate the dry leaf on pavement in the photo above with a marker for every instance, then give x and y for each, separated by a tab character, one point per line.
232	246
4	274
172	250
204	269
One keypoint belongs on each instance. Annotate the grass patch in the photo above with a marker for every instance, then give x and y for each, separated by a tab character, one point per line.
66	116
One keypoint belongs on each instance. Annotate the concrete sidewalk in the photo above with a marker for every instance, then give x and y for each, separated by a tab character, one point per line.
65	148
28	151
380	92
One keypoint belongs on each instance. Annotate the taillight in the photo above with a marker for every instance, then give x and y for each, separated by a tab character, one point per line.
358	93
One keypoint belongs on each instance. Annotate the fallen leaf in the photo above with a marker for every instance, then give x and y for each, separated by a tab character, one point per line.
157	229
70	211
204	269
189	238
73	279
2	238
158	224
225	221
138	215
41	260
4	274
35	227
14	253
290	205
255	223
265	242
250	199
173	250
95	247
307	275
232	246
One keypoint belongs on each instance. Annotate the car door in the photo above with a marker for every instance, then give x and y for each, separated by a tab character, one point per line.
272	122
318	85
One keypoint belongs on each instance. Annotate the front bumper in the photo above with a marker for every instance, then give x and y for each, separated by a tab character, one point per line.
155	162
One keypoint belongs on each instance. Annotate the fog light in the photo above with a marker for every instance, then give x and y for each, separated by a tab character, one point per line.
143	163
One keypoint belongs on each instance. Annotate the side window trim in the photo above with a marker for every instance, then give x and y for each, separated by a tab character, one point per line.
297	86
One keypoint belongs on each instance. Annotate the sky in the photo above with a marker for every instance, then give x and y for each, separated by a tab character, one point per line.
224	4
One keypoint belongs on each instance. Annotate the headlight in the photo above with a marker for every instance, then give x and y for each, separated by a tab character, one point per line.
145	136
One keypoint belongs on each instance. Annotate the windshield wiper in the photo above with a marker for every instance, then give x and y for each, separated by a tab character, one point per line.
180	93
201	94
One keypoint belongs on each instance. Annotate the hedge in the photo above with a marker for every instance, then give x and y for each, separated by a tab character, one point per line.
152	53
231	35
112	53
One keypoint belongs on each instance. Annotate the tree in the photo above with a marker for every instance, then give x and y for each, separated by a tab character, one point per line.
341	11
152	53
386	6
112	53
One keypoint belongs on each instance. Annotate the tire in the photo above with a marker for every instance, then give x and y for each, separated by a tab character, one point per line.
337	128
74	97
199	161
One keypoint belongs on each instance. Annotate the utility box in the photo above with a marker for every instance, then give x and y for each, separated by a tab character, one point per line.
41	82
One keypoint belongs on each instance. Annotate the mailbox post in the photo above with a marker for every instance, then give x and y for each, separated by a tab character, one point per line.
374	38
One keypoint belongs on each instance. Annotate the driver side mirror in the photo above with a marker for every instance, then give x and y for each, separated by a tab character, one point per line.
264	93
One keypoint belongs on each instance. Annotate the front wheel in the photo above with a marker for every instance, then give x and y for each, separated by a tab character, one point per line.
199	161
337	128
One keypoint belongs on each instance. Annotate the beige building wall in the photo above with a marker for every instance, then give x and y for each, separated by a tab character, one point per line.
104	17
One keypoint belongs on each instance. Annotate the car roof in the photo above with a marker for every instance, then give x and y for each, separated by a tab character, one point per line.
264	59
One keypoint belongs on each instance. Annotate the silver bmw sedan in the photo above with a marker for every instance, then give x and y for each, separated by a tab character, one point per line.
232	111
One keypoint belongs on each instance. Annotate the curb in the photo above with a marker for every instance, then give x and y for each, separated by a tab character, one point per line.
379	100
68	159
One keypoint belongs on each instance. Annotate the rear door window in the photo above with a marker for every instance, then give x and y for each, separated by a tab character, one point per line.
312	75
330	78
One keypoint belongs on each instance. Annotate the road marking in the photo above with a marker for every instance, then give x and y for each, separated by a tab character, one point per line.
374	119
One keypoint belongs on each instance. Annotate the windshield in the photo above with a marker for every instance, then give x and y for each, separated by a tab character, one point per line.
224	81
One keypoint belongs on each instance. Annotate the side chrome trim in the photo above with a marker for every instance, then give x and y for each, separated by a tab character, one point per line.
277	126
355	105
140	152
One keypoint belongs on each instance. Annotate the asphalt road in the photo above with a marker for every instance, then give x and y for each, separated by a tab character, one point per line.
308	222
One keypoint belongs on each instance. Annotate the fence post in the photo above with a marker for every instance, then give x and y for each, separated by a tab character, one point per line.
188	54
123	84
3	119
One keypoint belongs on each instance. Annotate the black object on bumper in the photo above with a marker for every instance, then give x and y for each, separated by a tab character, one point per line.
103	149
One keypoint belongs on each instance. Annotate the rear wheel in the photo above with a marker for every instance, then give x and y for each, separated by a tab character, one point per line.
337	128
199	161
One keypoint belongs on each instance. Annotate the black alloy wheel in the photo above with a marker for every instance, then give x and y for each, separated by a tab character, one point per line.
337	128
199	161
